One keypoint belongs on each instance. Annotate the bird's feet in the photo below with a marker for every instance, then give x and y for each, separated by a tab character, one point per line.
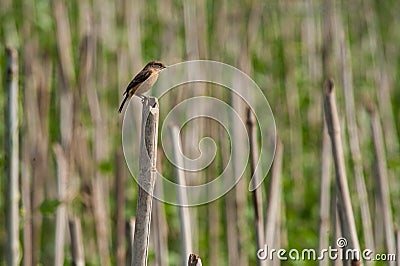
143	98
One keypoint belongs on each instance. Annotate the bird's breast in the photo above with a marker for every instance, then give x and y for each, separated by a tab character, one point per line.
147	84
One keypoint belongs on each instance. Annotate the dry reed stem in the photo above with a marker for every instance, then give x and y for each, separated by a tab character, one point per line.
77	251
343	195
257	193
159	223
61	215
147	166
382	184
325	195
184	215
274	200
120	181
347	84
12	133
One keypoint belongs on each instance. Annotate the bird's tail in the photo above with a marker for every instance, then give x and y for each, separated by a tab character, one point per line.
123	103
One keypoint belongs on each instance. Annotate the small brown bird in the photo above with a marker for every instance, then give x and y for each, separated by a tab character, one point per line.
143	81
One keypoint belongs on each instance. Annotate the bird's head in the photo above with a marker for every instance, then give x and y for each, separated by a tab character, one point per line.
157	65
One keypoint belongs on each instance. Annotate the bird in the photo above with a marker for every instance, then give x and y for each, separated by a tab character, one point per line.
143	81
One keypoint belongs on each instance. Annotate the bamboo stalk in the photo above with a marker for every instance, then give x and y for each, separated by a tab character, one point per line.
77	251
343	195
257	193
382	184
147	165
13	252
184	215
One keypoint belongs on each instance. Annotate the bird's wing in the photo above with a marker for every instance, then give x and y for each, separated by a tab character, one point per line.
139	78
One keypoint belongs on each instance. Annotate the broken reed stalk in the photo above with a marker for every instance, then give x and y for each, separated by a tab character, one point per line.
13	253
382	184
146	181
255	177
77	251
345	209
184	216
